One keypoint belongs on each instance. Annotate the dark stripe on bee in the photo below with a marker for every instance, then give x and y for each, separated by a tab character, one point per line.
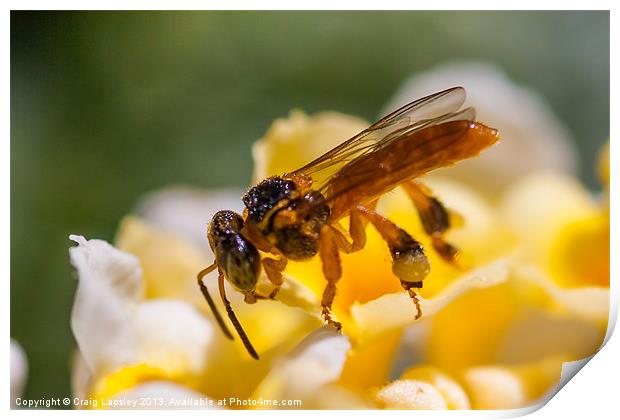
435	218
412	284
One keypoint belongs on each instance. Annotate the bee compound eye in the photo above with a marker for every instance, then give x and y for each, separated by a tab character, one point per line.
243	265
242	278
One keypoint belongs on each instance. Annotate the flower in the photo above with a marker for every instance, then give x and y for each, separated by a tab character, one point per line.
134	334
494	334
19	371
512	307
532	138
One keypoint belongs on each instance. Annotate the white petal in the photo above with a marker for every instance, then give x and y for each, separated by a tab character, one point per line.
161	394
292	293
531	136
411	394
19	371
449	388
187	211
81	376
172	334
109	286
315	362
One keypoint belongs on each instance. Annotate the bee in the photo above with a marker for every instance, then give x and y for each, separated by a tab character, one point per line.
296	216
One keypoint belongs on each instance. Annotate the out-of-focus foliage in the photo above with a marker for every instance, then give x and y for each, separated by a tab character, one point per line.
106	106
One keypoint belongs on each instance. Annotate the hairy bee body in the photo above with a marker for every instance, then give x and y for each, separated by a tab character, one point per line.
275	197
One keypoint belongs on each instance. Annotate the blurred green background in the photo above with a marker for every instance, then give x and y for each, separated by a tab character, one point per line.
106	106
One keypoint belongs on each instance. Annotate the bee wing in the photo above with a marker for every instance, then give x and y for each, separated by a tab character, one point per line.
417	114
406	154
467	114
427	108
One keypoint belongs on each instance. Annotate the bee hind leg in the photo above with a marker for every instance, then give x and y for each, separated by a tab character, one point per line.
409	263
409	286
434	216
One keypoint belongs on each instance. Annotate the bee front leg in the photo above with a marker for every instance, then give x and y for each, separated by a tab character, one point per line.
273	269
434	216
409	263
332	270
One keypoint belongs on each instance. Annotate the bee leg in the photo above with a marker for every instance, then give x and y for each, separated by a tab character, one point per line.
357	227
273	269
332	270
357	232
409	263
434	216
209	300
409	286
233	317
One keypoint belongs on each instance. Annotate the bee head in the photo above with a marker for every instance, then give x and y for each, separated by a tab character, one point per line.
236	256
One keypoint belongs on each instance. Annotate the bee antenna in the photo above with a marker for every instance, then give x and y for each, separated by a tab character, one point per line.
234	320
210	302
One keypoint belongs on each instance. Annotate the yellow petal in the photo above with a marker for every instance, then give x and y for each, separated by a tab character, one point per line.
292	142
468	331
338	397
370	363
603	165
127	378
494	388
543	207
169	263
397	310
505	387
579	255
161	394
521	320
588	303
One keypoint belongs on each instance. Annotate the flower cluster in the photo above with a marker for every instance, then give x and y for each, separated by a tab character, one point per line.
531	293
